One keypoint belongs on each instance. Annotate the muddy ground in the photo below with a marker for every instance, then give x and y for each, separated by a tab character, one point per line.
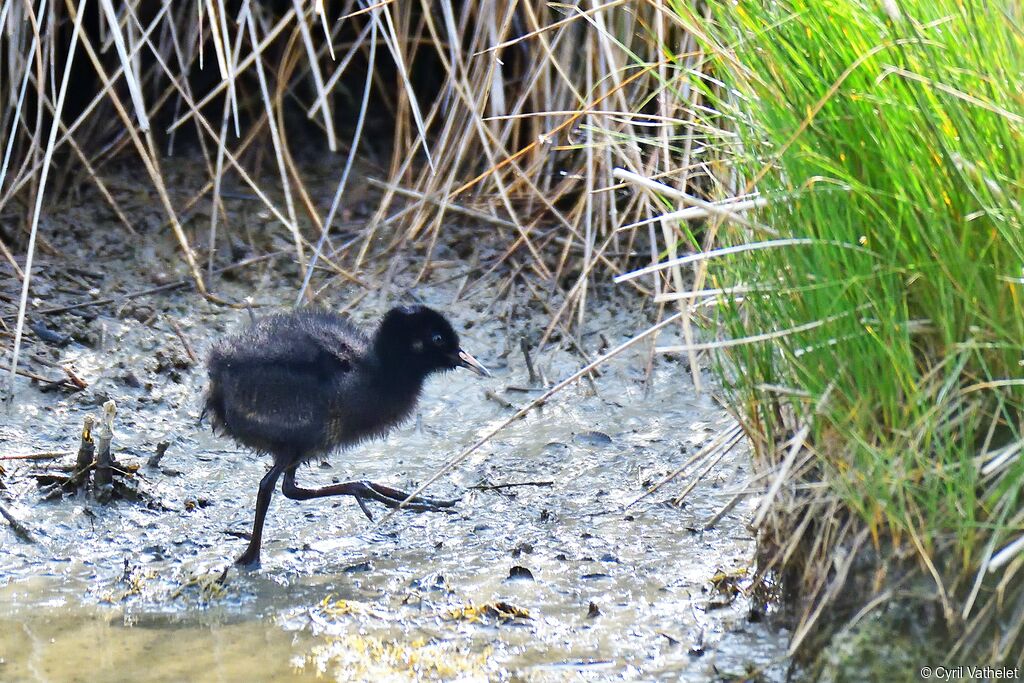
136	590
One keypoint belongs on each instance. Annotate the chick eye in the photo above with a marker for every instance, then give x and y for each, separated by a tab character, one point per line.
437	339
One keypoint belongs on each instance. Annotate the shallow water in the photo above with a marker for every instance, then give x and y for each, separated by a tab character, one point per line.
130	592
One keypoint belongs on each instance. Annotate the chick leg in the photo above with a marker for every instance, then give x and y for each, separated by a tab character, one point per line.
251	556
363	490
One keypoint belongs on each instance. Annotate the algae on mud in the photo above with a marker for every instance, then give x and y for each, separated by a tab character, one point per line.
136	590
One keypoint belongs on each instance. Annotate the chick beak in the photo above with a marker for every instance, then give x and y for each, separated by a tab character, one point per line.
467	361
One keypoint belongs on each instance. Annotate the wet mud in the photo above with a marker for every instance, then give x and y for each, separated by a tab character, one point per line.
544	571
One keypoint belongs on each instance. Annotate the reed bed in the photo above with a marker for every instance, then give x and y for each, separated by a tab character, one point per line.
513	114
508	116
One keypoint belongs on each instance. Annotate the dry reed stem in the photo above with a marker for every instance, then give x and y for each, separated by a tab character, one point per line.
147	154
723	437
796	444
37	209
130	77
350	159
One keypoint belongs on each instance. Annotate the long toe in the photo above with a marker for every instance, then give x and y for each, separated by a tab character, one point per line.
434	502
393	498
362	506
415	500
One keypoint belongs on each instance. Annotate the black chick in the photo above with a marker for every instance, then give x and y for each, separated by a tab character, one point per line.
302	384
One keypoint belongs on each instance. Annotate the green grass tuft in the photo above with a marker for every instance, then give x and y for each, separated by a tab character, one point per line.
894	140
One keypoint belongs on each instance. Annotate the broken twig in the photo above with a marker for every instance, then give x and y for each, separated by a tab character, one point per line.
496	487
104	477
20	529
